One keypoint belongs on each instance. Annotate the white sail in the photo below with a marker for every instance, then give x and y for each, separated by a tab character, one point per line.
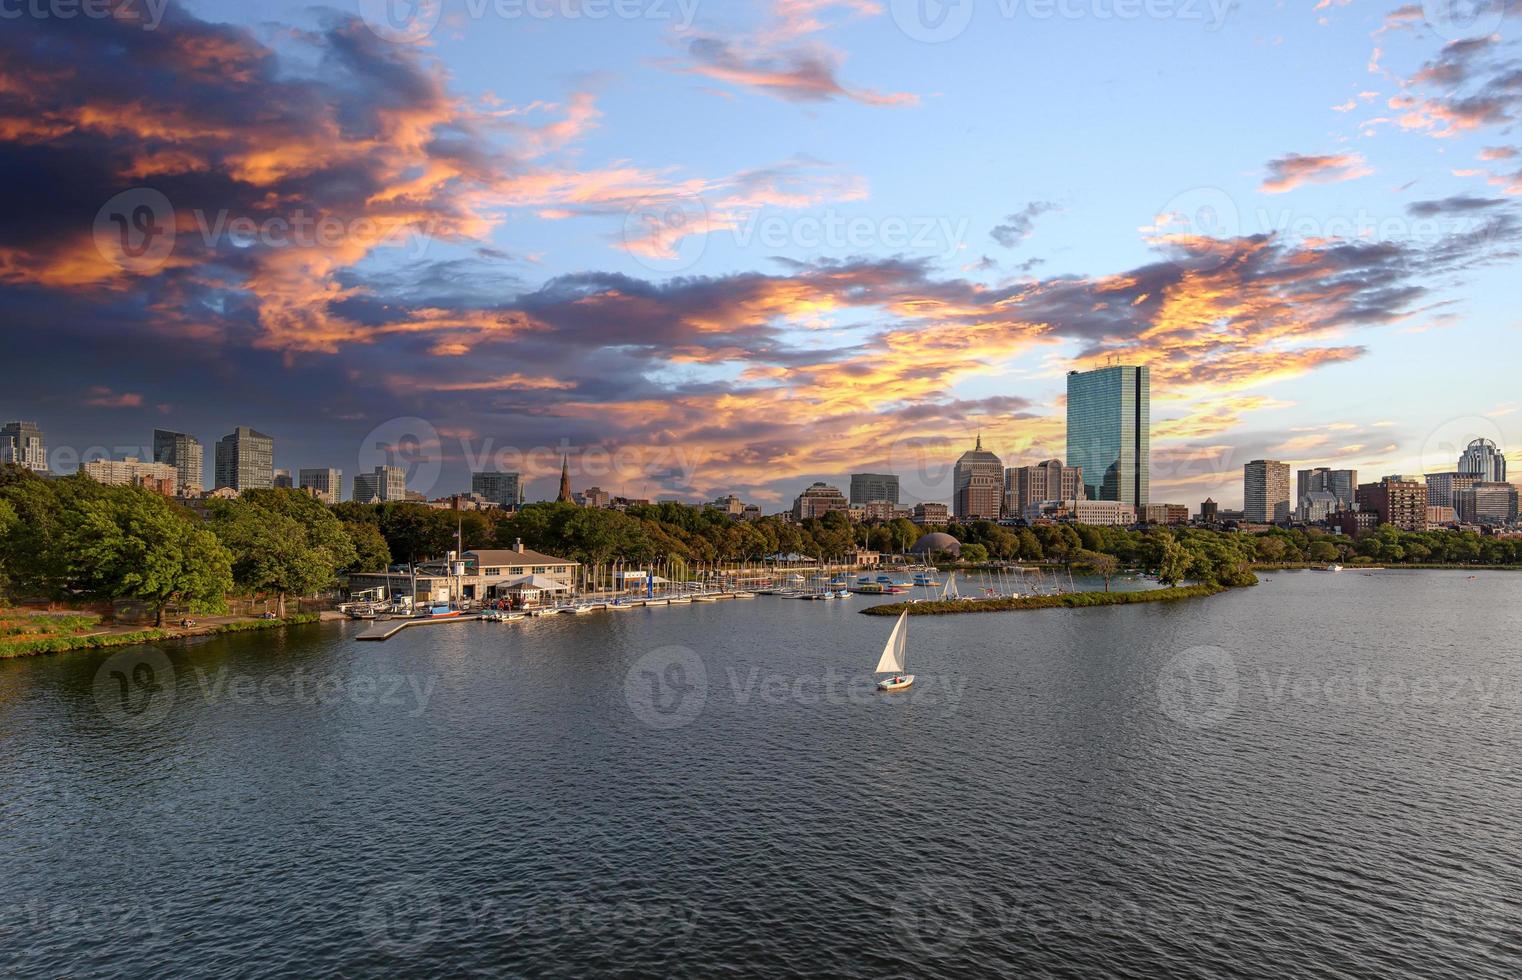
950	592
892	660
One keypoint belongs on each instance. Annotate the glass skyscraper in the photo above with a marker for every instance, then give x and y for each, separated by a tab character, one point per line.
1109	415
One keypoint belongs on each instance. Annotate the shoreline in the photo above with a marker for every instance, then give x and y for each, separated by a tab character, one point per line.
108	640
1070	600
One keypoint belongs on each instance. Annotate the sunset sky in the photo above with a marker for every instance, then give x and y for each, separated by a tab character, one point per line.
708	247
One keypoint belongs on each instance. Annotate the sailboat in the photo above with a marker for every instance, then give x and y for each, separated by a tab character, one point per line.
892	660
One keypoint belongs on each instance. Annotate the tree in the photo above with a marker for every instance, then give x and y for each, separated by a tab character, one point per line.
370	551
974	554
131	543
1172	558
1100	564
280	544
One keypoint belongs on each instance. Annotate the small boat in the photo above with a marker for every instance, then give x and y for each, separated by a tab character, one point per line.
440	612
680	600
704	598
892	660
744	595
1333	567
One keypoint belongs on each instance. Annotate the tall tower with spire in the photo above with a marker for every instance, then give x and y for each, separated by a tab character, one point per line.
565	482
978	485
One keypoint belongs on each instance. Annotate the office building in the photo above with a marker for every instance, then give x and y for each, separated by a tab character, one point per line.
868	488
502	489
977	485
284	481
1487	502
729	504
930	513
818	500
1443	488
21	444
133	472
326	485
1165	514
1111	513
384	483
1482	459
245	460
1210	511
1109	416
595	497
1354	523
1027	485
1318	505
1440	516
1265	491
1341	484
1402	503
186	454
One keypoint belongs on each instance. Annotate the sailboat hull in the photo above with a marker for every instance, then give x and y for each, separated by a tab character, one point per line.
896	683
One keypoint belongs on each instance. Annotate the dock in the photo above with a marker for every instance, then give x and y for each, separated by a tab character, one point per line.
387	628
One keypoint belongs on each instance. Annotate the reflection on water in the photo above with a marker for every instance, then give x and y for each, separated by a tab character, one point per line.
1315	777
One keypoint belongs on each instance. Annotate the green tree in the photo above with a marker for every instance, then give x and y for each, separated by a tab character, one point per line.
281	545
1100	564
1173	558
974	554
370	551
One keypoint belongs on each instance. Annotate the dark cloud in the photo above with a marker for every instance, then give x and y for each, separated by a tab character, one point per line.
1017	227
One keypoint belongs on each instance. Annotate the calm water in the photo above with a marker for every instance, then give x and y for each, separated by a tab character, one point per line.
1317	777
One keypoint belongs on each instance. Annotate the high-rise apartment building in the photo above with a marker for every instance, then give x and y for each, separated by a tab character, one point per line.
502	489
133	472
1025	486
325	484
867	488
21	443
1265	491
384	483
977	485
1109	417
1402	503
1443	488
1482	459
245	460
186	454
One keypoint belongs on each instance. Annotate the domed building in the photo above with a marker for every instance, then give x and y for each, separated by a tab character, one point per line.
938	543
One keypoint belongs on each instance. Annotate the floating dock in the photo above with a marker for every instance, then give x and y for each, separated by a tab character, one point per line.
387	628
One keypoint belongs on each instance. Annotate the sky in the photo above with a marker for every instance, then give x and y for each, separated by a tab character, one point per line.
703	247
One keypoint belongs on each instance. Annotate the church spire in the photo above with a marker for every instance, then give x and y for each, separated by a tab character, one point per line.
565	481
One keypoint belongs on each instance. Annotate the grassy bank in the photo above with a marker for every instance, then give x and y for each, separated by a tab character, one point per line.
1071	600
29	635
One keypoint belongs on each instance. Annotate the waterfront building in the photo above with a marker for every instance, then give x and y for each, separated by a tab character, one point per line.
1482	459
133	472
1027	485
502	489
186	454
867	488
930	513
384	483
1109	417
818	500
1487	503
1265	491
1341	484
284	481
21	444
978	485
1402	503
1210	511
527	577
1111	513
1443	488
245	460
936	543
326	485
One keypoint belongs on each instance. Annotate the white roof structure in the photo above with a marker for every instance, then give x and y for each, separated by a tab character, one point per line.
541	583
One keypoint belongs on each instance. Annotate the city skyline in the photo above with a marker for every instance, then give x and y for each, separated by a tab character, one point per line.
519	255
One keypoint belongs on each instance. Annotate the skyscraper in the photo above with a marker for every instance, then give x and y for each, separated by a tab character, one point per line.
1341	484
1265	491
185	454
977	485
502	489
1109	418
381	484
1025	486
245	460
1482	459
869	488
21	443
